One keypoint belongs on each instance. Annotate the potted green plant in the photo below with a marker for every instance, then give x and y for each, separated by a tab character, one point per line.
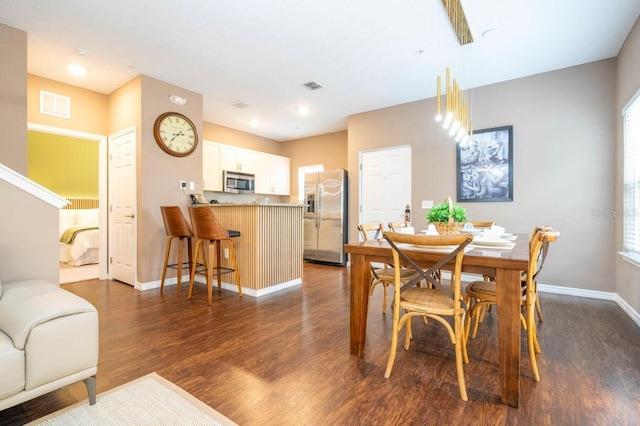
447	217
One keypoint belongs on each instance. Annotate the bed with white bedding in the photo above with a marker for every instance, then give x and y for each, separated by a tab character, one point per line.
81	248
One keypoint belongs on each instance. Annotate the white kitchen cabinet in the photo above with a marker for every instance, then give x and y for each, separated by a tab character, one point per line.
272	175
211	171
238	159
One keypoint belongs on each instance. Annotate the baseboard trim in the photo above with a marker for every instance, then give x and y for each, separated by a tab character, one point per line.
225	285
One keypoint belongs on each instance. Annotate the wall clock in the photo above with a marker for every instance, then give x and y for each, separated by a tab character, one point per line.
175	134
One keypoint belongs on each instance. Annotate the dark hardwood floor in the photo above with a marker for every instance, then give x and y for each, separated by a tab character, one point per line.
284	359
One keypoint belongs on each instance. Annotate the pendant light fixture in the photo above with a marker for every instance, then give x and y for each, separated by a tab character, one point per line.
457	112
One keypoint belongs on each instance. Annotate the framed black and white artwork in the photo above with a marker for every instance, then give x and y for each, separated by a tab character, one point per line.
485	166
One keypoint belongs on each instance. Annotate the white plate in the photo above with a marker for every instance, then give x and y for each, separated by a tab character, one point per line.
509	237
435	249
495	244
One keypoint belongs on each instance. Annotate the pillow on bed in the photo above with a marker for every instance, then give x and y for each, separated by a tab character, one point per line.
67	219
88	217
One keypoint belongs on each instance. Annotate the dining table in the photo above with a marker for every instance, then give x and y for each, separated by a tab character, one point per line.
505	265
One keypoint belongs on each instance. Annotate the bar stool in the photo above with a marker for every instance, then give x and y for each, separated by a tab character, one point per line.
208	230
175	226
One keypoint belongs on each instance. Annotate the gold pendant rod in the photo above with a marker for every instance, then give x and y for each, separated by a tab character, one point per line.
458	21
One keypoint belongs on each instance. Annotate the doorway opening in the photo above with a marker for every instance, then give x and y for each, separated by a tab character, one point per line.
102	210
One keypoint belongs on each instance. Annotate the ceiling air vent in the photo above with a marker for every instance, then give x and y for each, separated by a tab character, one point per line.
56	105
239	104
313	85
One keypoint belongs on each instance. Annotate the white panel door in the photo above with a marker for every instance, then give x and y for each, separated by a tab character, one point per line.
122	205
385	184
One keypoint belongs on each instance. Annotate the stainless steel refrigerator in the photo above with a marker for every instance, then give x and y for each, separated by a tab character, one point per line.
325	218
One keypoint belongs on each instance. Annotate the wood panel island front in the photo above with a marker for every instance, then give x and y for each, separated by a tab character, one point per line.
270	248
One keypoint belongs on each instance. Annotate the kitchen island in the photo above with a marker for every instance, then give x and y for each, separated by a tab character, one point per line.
270	248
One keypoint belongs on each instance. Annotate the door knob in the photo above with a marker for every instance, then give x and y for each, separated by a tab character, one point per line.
130	215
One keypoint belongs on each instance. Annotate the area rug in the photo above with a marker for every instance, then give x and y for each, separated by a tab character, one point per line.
149	400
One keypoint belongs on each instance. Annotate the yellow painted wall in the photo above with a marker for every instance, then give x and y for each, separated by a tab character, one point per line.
65	165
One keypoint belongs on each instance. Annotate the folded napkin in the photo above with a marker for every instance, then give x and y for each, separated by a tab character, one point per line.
498	229
431	230
494	233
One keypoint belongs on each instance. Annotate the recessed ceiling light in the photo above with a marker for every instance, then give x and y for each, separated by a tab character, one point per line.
77	69
254	123
304	110
239	104
491	32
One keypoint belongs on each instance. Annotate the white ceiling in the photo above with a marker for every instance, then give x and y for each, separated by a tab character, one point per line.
366	53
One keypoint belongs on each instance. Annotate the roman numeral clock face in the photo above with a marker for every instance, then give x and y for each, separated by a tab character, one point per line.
175	134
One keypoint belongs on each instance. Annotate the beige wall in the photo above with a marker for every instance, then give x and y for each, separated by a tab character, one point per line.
329	150
124	106
28	252
564	124
228	136
159	173
627	276
22	245
13	98
88	112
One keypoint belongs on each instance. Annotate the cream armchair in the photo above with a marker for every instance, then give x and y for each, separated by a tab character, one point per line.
48	339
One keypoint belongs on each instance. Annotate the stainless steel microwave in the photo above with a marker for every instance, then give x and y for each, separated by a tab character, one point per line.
238	183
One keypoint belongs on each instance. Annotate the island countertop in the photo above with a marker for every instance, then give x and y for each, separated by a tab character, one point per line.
269	250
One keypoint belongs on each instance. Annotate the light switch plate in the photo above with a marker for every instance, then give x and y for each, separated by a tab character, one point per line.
192	185
427	204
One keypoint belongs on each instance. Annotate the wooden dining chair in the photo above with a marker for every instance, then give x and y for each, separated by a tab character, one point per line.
401	227
435	301
483	294
485	224
524	275
483	309
385	274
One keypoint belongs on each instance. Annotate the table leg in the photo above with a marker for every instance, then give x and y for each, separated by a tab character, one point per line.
508	301
359	278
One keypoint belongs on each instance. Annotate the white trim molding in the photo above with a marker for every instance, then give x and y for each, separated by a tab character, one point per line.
30	187
225	285
628	257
